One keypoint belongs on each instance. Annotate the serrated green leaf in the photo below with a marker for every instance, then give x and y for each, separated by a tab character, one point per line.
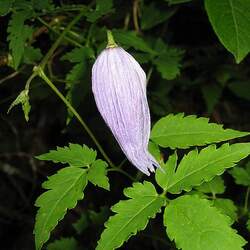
18	33
248	225
168	63
197	167
155	151
177	131
103	7
97	174
63	243
131	215
152	16
65	188
131	39
215	186
241	175
75	155
23	99
81	224
31	55
5	7
98	218
230	20
163	178
194	224
227	207
78	55
75	74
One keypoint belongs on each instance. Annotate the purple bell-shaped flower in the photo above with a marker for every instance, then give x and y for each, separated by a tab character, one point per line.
119	87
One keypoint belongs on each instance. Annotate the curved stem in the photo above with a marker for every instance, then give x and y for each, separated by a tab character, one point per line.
116	169
246	200
40	72
135	16
60	38
47	25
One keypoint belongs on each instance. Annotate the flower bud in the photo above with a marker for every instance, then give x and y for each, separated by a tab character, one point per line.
119	88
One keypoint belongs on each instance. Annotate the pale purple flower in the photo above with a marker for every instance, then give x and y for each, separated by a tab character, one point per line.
119	87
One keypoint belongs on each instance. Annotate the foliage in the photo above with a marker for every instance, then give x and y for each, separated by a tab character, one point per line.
177	131
232	32
75	155
210	229
67	186
52	45
131	215
23	99
66	243
18	34
241	175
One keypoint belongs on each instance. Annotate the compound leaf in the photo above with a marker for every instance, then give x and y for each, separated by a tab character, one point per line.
77	55
97	174
131	39
169	63
18	34
131	215
163	176
65	188
75	155
193	223
63	243
23	99
179	131
227	207
215	186
197	167
241	175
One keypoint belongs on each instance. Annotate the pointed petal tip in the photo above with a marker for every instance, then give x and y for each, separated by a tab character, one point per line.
149	166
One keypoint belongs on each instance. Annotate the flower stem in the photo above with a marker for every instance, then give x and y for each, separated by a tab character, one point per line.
41	73
111	40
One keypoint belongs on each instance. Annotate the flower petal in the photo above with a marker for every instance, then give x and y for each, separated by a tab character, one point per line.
119	87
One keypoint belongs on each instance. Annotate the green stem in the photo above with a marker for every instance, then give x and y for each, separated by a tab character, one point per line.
41	73
60	38
150	71
246	201
56	32
116	169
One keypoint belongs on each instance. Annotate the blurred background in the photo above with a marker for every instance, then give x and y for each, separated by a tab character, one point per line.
188	71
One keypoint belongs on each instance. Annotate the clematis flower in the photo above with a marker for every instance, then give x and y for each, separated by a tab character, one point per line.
119	88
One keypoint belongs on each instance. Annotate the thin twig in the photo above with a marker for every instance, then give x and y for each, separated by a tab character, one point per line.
47	25
246	201
75	113
135	16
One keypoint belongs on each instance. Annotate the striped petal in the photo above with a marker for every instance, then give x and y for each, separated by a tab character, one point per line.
119	87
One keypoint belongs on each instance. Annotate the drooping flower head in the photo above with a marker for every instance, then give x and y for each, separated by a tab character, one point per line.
119	87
